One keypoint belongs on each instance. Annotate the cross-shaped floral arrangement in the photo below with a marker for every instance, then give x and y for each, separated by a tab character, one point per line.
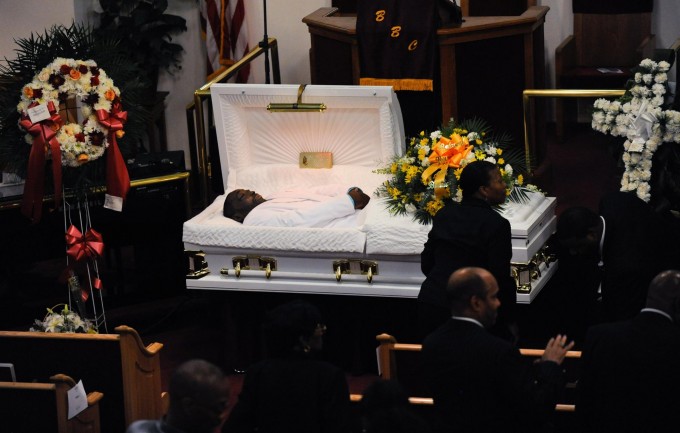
639	116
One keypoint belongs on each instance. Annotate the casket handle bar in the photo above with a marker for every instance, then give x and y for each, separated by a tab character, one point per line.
355	266
266	264
525	273
298	106
196	265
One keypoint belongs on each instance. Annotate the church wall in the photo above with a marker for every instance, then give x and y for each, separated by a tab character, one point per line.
20	17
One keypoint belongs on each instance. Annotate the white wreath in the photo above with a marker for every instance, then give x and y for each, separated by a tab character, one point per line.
66	78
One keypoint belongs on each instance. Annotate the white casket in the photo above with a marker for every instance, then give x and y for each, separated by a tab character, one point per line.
362	128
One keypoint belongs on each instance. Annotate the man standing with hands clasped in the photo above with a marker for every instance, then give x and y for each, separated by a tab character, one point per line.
481	383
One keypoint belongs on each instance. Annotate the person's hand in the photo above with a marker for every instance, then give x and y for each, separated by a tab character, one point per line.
556	349
359	197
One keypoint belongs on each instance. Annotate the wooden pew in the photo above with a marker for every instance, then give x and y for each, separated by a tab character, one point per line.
119	365
43	407
422	407
387	365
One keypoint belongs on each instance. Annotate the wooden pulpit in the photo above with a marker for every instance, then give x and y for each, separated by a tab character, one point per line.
484	64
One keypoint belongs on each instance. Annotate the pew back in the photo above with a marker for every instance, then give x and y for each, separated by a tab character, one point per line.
43	407
394	357
119	365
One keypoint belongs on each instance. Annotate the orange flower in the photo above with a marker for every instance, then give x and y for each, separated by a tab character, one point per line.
446	153
28	92
120	133
74	74
450	152
110	95
83	157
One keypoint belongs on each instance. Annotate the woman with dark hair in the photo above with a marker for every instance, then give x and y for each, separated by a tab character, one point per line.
291	391
469	233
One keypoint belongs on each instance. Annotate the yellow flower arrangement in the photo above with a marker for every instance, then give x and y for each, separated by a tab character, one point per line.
427	174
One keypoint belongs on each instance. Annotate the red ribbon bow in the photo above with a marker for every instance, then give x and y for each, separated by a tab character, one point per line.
79	246
117	177
113	120
44	135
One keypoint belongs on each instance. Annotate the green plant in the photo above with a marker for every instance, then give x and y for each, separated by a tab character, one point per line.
146	32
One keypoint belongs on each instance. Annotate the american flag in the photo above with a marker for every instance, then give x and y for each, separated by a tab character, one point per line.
226	35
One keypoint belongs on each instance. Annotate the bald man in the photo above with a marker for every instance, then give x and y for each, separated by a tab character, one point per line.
630	370
481	383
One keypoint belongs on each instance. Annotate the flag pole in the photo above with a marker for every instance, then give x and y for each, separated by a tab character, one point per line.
265	45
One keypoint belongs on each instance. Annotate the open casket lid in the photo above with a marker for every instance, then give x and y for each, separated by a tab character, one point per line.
361	126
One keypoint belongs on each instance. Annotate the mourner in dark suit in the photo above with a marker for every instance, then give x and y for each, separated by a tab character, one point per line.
291	391
628	241
479	382
629	376
467	234
199	397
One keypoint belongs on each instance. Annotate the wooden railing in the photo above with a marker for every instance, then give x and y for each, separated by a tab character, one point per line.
198	123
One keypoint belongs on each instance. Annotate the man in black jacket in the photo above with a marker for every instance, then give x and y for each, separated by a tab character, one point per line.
464	234
629	370
479	382
630	243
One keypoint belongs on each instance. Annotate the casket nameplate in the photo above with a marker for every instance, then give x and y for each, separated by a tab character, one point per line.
316	160
355	266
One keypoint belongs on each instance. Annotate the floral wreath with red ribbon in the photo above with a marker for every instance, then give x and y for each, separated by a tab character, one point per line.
71	144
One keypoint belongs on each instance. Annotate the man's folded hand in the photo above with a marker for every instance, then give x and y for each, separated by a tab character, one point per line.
359	197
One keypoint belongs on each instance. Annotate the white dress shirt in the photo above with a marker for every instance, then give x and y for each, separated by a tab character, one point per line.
322	206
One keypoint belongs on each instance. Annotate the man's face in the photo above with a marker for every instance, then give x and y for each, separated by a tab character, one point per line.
242	201
489	305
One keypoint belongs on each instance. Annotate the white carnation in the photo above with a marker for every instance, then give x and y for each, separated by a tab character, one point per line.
643	191
660	77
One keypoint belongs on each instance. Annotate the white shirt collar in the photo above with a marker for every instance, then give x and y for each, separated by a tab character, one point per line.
654	310
468	319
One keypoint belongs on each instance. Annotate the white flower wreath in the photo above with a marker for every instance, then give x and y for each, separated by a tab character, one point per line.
67	78
642	121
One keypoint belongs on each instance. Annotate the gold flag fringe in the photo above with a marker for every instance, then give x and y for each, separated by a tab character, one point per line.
399	83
